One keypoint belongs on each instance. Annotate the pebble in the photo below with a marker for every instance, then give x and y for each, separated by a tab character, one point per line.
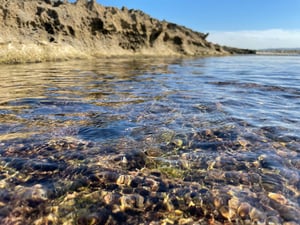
257	216
132	201
226	212
36	192
124	180
244	210
243	187
278	198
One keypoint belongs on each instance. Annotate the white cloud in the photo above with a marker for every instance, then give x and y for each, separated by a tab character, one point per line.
257	39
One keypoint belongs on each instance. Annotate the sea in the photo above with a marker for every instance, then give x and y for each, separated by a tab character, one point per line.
224	131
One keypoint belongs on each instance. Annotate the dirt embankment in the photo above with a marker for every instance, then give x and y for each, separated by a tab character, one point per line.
45	30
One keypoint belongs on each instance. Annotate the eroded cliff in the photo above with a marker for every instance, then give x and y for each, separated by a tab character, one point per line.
41	30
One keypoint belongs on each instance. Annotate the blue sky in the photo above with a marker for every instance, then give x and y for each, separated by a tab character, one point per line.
241	23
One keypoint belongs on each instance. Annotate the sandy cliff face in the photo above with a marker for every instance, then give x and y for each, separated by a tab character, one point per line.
39	30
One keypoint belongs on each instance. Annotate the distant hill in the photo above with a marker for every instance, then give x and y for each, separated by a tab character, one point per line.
45	30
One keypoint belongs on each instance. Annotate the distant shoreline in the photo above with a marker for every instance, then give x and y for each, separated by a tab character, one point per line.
279	52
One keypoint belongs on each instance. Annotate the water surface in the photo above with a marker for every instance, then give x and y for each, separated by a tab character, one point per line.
227	125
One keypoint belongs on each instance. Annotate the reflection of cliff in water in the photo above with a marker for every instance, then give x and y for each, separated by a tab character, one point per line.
54	90
36	80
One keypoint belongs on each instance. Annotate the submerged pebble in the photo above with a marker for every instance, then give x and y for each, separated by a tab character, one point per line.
141	143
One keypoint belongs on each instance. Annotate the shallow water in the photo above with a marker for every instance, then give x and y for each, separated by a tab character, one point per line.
231	125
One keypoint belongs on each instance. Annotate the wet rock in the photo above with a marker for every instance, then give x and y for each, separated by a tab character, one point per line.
5	211
49	219
79	183
133	160
36	193
44	166
273	220
196	211
226	212
278	198
112	198
153	152
96	218
271	182
101	177
290	223
286	212
16	163
244	210
132	201
257	216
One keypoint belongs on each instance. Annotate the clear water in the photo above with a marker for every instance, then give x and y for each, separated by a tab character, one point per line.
224	111
132	94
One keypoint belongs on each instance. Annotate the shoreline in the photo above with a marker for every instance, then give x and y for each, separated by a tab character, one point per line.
277	53
36	53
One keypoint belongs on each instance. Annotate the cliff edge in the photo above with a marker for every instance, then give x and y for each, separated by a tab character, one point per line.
47	30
